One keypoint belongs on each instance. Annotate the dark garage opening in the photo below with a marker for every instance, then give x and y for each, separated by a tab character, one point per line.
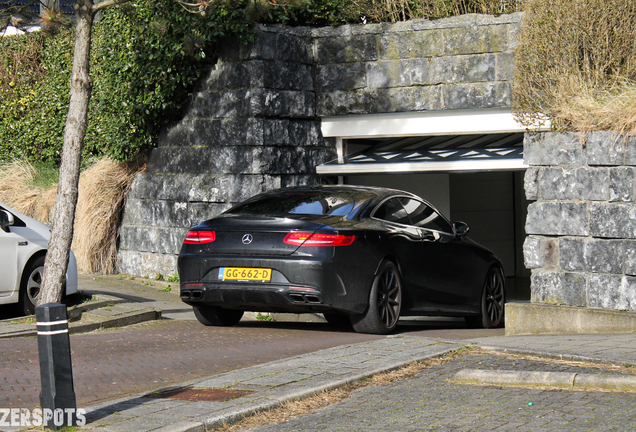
491	201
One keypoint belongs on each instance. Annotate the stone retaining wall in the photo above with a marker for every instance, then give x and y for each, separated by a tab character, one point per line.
254	122
251	126
460	62
582	228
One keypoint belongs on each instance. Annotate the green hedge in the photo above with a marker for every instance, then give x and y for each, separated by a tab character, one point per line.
145	60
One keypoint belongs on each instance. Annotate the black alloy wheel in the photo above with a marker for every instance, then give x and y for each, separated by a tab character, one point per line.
216	316
492	302
385	301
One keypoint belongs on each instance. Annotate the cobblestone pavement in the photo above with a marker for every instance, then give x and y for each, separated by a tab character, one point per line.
618	348
429	402
114	363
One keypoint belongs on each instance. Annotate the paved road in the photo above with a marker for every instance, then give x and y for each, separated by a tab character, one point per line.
115	363
120	362
429	402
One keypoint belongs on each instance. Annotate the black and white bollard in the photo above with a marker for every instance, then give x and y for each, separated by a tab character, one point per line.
58	397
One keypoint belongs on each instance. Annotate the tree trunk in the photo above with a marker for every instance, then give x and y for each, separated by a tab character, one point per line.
81	85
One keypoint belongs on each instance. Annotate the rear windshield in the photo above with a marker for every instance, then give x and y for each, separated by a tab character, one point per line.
304	203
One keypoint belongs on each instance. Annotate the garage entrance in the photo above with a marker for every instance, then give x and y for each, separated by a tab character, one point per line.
475	177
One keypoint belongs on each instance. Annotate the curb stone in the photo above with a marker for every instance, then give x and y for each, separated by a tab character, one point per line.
105	313
546	379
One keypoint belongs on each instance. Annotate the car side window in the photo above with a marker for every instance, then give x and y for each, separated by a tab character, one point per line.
424	216
392	211
17	222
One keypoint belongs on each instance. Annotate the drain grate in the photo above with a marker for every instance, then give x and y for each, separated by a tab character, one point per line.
201	394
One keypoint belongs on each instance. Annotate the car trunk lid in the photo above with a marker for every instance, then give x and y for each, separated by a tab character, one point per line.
255	234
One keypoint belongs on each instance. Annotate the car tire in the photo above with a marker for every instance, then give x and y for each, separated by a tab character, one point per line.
385	301
338	320
30	286
216	316
492	302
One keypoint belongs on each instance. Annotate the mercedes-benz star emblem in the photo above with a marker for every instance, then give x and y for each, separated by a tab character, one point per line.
247	239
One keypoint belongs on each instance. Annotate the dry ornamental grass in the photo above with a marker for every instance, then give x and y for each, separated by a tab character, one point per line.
102	190
402	10
576	64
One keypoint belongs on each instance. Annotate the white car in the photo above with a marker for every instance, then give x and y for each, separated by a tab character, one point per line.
23	245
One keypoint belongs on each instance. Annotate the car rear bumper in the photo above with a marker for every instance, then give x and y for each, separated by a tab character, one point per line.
299	284
270	298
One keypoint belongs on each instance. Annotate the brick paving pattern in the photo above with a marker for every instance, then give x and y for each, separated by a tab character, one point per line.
429	402
619	348
115	363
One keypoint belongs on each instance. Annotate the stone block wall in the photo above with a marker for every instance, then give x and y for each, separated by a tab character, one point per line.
581	243
253	123
251	126
462	62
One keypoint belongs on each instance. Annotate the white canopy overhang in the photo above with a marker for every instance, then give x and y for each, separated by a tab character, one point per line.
440	141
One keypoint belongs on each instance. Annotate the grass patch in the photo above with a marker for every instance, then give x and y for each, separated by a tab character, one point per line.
264	317
46	176
166	289
25	320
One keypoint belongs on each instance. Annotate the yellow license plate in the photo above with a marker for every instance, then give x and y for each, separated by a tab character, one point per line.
245	273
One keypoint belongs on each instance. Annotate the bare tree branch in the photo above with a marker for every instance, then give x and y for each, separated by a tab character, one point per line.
107	3
13	13
196	8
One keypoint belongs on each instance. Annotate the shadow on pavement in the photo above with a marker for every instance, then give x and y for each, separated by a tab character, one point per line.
117	407
440	327
128	297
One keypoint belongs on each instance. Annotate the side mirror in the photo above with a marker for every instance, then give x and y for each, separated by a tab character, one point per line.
460	228
6	220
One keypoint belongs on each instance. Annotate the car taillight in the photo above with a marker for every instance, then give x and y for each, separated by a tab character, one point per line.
314	240
199	237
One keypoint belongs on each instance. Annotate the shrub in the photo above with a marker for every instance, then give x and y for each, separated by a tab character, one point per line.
576	64
401	10
145	61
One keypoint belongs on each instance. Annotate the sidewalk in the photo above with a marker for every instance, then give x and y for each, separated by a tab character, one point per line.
274	383
100	312
618	349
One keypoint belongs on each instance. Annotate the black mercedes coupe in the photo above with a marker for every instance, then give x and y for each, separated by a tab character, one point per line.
358	254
